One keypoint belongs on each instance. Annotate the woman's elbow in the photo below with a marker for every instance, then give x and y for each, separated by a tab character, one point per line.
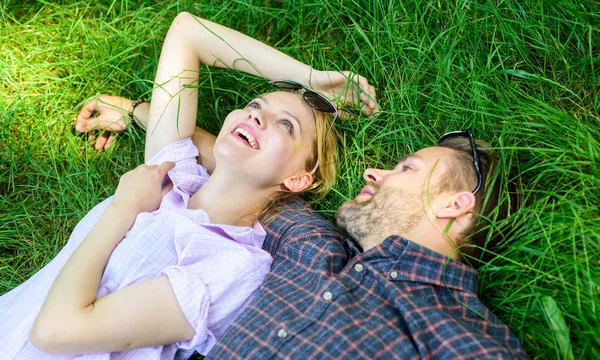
191	28
47	338
43	338
184	21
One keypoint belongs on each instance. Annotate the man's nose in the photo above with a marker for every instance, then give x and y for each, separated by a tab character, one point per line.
373	175
256	117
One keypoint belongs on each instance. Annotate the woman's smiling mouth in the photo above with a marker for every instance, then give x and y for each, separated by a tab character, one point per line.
247	135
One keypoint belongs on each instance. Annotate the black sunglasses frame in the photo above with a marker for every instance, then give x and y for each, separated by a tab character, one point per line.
476	162
314	100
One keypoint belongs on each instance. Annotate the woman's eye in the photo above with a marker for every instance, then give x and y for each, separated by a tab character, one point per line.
288	125
254	105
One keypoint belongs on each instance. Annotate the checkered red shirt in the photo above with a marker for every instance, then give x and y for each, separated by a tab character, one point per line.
324	300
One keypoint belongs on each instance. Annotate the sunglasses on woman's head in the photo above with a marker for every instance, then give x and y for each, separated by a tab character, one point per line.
476	163
313	99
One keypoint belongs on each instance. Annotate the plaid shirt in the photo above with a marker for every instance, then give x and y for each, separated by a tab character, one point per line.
323	299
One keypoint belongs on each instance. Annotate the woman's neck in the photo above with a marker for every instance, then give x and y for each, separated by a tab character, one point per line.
227	200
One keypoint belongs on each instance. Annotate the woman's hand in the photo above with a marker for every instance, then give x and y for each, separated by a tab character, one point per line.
109	114
346	88
140	189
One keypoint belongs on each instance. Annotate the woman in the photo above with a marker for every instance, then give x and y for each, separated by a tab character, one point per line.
162	268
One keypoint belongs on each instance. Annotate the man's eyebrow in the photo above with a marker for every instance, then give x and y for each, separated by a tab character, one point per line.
410	156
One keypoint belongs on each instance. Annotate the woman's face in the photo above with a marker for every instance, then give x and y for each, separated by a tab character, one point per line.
268	141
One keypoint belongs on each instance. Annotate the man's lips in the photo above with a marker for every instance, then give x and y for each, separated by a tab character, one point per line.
246	135
367	190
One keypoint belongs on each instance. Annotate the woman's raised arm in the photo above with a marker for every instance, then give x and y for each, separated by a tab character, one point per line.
193	41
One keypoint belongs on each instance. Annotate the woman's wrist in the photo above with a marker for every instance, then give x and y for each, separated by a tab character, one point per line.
121	214
138	112
310	77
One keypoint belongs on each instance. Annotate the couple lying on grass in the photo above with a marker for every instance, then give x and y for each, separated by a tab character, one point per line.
176	262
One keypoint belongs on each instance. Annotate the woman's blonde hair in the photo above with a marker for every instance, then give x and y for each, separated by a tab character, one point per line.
325	151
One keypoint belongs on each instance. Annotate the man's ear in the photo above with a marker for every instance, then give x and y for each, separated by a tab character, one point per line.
457	204
298	182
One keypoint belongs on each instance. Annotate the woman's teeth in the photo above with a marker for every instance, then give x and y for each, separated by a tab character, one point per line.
244	134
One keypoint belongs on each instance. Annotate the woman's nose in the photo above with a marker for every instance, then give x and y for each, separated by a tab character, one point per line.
373	175
255	117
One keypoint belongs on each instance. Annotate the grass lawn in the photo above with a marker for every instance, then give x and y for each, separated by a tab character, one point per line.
524	75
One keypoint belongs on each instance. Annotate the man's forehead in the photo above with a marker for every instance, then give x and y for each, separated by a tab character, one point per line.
429	155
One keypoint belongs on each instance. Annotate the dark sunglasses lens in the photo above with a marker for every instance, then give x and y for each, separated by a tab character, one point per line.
318	102
286	85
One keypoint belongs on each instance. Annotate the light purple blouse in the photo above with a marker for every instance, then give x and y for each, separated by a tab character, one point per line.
213	269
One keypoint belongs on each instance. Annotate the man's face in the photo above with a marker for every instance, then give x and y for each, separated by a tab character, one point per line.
398	201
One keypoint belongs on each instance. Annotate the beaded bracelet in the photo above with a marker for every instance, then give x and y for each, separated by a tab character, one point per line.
134	104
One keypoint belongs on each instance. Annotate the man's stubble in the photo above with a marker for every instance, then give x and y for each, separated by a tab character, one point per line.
388	212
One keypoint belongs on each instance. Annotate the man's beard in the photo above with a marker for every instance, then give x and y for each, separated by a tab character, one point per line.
388	212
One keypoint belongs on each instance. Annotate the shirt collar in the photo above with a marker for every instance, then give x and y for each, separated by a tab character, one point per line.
252	236
415	263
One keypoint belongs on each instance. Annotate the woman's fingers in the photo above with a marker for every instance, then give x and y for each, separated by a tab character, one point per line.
108	116
101	141
367	101
85	114
105	113
108	126
165	167
111	121
109	141
365	108
372	97
140	189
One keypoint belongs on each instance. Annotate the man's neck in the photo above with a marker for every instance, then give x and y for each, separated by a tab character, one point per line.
423	235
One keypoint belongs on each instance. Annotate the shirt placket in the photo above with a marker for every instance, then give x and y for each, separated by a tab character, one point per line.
337	287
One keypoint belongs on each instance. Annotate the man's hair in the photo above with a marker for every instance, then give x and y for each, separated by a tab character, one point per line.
491	202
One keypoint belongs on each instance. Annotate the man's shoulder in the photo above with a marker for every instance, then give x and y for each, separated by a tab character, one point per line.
296	214
295	219
430	288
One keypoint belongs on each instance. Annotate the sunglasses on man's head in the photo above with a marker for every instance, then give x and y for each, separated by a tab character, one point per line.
314	100
476	163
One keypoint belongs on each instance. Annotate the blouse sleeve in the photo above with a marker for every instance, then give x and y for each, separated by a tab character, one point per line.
212	294
187	176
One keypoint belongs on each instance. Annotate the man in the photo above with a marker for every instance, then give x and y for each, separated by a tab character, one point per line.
398	285
405	294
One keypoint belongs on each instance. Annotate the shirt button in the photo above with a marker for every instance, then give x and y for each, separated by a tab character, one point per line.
359	267
394	275
327	295
282	333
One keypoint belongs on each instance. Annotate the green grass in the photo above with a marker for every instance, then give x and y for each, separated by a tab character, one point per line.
525	75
